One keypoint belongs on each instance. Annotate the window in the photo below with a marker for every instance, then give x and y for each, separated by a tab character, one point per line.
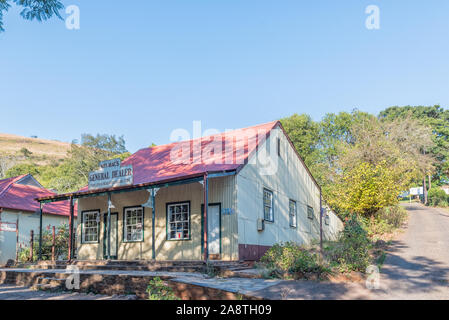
326	220
178	221
90	226
309	212
133	224
292	213
268	205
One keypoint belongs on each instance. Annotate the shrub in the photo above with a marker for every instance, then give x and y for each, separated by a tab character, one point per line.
386	220
158	290
288	259
394	216
437	197
351	252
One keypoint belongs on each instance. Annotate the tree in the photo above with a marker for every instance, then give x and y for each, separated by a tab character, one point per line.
22	168
72	173
25	152
39	10
6	162
379	162
437	119
304	133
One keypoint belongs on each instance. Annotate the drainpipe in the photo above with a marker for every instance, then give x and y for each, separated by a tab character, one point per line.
153	227
109	227
40	231
321	223
70	257
205	227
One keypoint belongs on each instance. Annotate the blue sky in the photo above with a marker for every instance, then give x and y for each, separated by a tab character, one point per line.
144	68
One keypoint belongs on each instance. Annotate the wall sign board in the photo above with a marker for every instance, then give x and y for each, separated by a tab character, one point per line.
111	174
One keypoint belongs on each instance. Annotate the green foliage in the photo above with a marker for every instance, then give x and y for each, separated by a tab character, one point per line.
351	252
61	244
438	198
366	188
25	152
286	260
435	117
22	168
39	10
304	133
395	216
24	254
158	290
72	173
385	221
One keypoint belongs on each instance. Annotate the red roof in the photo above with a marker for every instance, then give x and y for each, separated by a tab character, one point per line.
155	163
16	196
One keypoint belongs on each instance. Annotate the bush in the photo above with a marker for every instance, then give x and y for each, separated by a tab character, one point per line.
24	254
386	220
394	216
288	259
437	197
351	252
61	244
158	290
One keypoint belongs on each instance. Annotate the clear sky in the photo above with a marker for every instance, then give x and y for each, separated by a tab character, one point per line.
142	68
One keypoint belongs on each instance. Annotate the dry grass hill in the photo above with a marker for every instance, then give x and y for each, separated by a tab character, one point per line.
42	151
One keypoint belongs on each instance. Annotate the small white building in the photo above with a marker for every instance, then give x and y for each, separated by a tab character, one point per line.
258	190
18	214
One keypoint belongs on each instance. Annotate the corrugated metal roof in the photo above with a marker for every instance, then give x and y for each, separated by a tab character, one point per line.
22	197
155	164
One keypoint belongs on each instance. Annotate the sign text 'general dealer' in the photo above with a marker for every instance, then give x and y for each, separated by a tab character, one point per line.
110	175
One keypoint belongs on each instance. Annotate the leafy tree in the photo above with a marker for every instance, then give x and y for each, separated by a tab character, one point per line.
72	173
437	119
39	10
304	133
379	162
22	168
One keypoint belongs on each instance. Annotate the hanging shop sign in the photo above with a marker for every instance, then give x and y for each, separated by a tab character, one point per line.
110	175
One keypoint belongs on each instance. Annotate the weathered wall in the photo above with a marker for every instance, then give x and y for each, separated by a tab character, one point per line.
289	181
332	230
27	222
221	190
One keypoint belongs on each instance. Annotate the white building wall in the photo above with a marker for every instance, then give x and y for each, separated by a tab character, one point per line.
289	181
27	222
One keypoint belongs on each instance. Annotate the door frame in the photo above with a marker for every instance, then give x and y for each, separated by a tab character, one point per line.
202	225
105	217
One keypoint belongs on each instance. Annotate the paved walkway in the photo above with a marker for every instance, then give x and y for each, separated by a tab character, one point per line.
12	292
235	285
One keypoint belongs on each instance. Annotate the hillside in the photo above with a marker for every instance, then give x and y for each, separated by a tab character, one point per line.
42	151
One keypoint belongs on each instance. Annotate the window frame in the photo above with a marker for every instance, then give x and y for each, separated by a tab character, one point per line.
295	215
310	213
272	204
167	221
83	227
125	224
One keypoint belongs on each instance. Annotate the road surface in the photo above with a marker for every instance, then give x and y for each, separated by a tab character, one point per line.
416	267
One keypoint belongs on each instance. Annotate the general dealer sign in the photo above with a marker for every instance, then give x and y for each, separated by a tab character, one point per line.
110	175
